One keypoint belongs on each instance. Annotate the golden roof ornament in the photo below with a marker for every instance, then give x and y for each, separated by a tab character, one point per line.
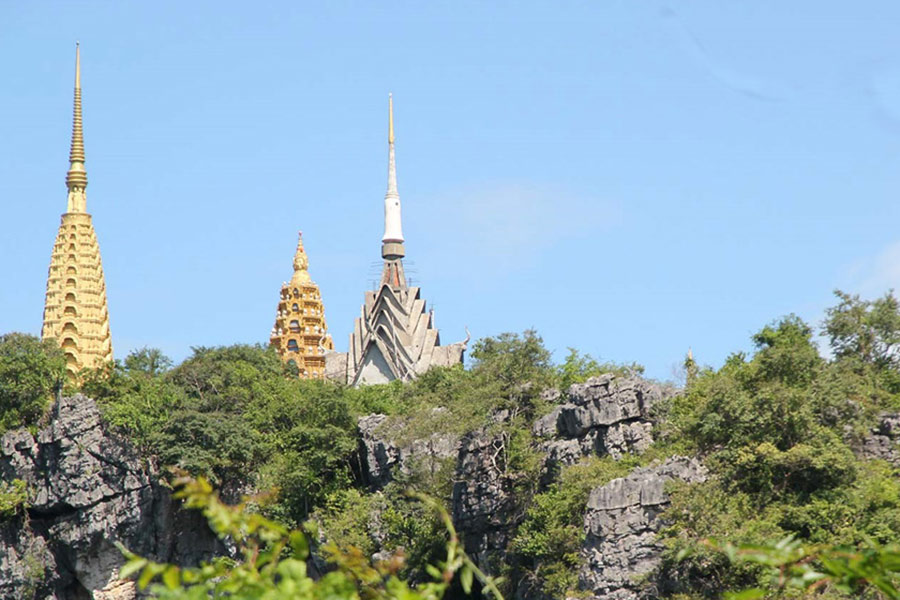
301	262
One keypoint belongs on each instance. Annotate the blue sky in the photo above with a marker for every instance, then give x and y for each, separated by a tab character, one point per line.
629	178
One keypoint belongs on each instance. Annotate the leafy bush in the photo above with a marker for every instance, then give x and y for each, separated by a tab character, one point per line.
13	498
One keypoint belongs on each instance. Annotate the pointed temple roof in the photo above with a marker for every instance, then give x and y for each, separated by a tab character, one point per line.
75	310
395	336
300	334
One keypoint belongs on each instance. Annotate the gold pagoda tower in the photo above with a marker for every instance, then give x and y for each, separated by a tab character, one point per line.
300	334
75	311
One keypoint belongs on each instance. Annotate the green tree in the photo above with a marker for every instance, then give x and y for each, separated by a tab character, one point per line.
868	330
514	361
31	371
135	396
150	361
865	338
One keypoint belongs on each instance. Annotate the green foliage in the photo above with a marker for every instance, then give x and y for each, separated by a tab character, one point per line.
513	361
412	530
868	331
308	434
578	368
13	498
271	563
31	371
150	361
776	431
865	338
508	373
345	517
135	396
232	415
868	570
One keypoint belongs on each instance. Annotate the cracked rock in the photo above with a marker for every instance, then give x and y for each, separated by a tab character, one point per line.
621	523
87	490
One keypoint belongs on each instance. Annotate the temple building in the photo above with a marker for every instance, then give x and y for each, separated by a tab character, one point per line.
300	334
75	312
395	336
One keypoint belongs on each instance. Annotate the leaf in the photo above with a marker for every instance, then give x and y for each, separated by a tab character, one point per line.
171	577
465	578
150	571
131	567
299	545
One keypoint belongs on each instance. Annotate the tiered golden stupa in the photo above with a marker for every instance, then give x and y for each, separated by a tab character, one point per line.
75	312
300	334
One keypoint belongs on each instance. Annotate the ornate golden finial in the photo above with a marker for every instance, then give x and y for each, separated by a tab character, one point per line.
76	178
301	262
390	118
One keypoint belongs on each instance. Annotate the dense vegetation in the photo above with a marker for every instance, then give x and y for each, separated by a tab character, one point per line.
31	371
779	429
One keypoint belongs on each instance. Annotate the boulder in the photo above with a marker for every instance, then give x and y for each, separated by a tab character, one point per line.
881	442
621	523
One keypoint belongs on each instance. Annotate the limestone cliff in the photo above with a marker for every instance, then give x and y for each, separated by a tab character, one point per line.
605	416
87	490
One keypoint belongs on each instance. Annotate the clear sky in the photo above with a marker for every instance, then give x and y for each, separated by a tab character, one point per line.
629	178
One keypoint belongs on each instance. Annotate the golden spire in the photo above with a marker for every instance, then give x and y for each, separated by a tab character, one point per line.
301	263
76	178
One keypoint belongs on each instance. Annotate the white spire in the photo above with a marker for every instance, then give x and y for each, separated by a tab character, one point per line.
393	230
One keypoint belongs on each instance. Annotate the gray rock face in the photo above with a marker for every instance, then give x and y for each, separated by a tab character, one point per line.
605	415
621	523
383	459
882	440
87	490
483	507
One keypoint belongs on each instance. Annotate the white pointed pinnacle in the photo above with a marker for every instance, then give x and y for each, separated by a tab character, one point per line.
393	228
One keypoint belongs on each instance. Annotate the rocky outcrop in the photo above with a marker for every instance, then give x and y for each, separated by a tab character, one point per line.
87	490
383	457
606	415
621	523
882	441
483	503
